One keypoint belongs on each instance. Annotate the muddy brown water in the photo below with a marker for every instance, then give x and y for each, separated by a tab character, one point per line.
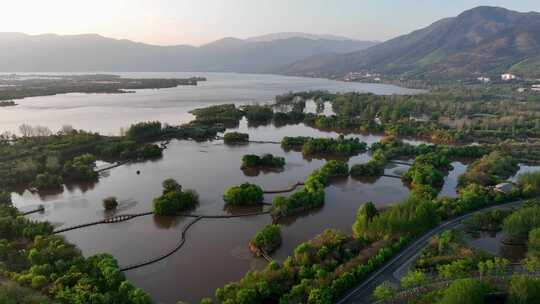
216	251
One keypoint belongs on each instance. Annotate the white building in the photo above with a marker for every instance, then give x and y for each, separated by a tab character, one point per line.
508	76
484	79
536	87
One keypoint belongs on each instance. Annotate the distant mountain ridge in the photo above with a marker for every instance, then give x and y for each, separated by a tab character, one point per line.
287	35
483	40
92	52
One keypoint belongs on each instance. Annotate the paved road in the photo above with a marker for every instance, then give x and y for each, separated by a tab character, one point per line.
401	262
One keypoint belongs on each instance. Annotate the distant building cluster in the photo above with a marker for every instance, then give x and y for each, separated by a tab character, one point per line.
358	76
508	77
484	79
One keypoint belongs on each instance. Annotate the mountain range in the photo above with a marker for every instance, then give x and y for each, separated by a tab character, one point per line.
91	52
481	41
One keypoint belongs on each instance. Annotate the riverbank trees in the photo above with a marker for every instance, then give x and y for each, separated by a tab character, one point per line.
490	170
324	146
266	161
236	138
312	194
32	257
530	183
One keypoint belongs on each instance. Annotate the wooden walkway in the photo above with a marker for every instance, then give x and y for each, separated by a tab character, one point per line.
110	220
397	162
291	189
196	218
115	165
266	256
168	254
40	209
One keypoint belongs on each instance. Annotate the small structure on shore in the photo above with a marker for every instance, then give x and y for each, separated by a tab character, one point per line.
504	187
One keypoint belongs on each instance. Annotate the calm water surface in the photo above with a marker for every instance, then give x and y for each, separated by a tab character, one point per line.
216	250
108	113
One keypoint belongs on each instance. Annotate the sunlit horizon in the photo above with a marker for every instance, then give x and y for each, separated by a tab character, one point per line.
166	22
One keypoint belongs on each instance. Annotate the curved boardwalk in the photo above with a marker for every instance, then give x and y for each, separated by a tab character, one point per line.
110	220
115	165
127	217
196	218
168	254
291	189
40	209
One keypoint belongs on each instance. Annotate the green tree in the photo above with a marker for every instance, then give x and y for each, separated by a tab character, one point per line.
413	279
524	290
383	292
244	195
465	291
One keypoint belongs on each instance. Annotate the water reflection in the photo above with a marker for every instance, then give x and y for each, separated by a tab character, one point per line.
492	243
216	249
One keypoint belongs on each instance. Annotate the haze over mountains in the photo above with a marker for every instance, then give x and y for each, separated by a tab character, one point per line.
483	40
480	41
91	52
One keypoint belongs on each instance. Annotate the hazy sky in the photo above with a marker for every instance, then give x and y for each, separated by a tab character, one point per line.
201	21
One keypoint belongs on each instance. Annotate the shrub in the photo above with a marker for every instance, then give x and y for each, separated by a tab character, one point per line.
383	292
265	161
413	279
81	168
144	131
258	113
150	151
530	183
465	291
330	146
110	203
521	222
232	138
524	290
46	181
39	282
174	200
12	293
268	239
490	170
244	195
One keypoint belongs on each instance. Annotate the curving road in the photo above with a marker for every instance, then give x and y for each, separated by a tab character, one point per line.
401	262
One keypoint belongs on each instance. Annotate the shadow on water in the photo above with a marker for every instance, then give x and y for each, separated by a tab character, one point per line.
493	243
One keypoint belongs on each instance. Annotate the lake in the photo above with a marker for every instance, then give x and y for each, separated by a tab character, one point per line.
108	113
216	251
